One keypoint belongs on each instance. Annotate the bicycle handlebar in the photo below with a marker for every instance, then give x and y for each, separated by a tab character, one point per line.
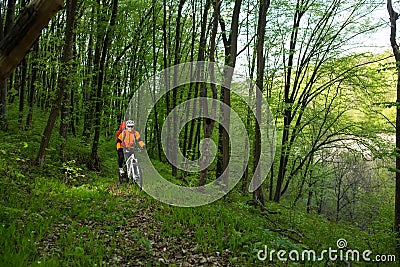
126	149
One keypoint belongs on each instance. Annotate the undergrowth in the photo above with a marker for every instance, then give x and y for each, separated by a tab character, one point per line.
63	214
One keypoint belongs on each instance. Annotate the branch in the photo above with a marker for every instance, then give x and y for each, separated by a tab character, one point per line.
24	33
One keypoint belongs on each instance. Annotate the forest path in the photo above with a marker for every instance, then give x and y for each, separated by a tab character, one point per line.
130	233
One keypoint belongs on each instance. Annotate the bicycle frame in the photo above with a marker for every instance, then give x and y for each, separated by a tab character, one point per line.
133	168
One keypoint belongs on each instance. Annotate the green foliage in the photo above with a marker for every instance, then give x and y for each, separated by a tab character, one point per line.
62	214
48	221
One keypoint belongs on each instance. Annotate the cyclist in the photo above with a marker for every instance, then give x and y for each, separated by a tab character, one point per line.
126	141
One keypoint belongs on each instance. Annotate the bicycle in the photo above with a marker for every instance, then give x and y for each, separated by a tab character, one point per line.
133	170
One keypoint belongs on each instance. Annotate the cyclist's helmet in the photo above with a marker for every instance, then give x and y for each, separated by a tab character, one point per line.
130	123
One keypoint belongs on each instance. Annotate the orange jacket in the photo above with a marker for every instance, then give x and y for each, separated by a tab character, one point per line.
128	139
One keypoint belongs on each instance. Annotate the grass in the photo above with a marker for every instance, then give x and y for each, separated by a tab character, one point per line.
62	214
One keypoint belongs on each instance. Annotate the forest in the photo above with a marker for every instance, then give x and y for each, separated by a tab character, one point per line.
271	132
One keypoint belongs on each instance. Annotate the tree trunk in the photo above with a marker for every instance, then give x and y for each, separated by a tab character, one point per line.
31	92
67	66
175	90
24	70
208	124
191	85
87	95
230	46
3	89
287	108
156	126
63	81
95	163
166	80
3	106
9	20
10	16
203	93
396	52
309	198
258	194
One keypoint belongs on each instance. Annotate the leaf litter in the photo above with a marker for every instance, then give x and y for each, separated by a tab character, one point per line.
128	235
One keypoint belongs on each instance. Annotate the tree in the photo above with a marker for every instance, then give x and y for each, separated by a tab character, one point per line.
24	33
258	194
63	81
95	163
230	53
317	36
19	39
396	52
208	124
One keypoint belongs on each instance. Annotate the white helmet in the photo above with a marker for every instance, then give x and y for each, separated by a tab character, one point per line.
130	123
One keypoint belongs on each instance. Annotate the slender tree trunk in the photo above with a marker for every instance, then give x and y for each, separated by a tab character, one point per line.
31	93
88	92
24	70
166	79
3	106
191	138
3	89
258	194
309	198
396	52
191	85
178	40
287	108
9	20
10	16
95	162
203	93
156	127
230	61
67	65
208	124
252	60
338	196
63	81
73	119
65	115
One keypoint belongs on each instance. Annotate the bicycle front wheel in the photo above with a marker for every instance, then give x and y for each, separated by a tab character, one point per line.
140	177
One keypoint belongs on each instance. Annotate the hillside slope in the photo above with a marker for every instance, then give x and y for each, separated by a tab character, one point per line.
62	214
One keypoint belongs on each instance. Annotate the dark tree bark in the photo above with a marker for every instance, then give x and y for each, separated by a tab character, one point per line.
24	70
191	85
9	16
156	127
288	116
9	20
88	109
208	124
194	131
166	78
203	90
230	45
396	52
63	81
24	33
177	49
95	162
68	66
258	194
31	92
3	89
